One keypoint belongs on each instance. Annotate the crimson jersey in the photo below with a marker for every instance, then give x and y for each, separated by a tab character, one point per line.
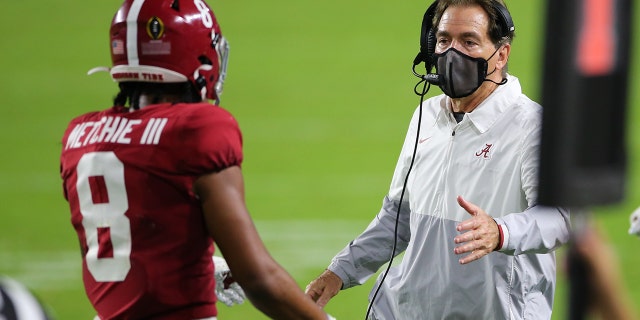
128	178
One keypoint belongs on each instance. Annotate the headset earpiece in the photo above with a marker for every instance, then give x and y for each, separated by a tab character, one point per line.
427	38
505	19
431	48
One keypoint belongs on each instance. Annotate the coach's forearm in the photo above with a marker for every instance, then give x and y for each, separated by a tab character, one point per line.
363	256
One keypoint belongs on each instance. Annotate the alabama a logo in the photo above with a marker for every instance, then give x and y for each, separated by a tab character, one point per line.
485	153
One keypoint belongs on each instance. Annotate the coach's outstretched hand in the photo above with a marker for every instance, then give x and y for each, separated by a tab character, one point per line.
324	287
228	290
480	235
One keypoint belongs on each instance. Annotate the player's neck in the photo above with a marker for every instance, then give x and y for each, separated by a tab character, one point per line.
147	99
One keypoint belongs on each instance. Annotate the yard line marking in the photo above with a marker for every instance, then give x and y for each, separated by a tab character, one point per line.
298	245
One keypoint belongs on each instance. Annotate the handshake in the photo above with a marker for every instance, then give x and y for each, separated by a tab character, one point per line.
228	290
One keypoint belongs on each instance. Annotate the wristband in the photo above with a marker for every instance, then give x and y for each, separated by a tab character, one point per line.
501	238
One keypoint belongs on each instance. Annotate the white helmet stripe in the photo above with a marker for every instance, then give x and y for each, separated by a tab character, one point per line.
132	32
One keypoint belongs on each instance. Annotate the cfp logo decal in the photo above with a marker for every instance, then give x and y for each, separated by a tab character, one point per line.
485	153
155	28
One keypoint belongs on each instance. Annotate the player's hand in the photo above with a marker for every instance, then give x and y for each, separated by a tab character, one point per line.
228	290
323	288
480	233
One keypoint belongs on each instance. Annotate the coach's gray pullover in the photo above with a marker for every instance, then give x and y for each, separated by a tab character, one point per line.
491	159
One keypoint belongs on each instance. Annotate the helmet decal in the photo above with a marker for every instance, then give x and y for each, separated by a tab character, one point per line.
205	13
155	28
117	47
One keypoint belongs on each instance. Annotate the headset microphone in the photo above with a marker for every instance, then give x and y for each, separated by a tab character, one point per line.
432	78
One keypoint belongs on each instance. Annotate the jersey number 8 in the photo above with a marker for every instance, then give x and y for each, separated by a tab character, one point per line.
105	223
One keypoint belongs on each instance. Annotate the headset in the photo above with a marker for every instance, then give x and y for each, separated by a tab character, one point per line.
426	55
428	34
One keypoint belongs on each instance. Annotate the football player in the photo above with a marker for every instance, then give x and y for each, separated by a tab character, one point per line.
153	180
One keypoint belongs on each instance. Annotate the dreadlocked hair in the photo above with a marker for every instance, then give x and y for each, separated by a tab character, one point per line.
130	92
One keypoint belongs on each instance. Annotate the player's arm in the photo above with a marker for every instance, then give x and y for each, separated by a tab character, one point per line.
267	285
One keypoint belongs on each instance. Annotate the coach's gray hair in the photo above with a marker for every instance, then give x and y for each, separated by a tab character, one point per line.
495	29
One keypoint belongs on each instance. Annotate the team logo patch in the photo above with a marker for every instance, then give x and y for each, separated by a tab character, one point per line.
155	28
485	153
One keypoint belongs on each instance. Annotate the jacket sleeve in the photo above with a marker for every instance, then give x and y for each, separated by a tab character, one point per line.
539	229
363	256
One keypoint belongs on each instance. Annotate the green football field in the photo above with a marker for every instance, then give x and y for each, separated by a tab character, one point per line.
323	92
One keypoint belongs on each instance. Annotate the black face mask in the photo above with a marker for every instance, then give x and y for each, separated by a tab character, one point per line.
460	74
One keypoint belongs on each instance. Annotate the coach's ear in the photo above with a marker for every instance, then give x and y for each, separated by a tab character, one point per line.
503	56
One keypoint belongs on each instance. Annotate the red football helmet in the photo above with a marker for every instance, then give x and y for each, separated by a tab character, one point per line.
169	41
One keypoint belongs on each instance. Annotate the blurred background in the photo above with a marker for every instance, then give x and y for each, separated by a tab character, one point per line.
323	92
